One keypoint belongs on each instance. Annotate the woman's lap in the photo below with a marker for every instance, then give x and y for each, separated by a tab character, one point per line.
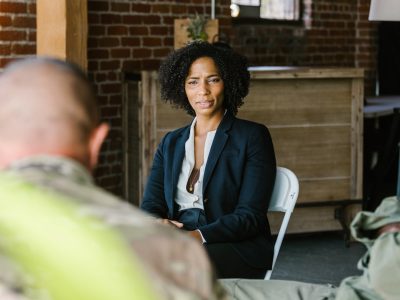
229	264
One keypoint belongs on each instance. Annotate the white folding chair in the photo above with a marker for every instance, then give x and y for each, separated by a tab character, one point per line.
284	196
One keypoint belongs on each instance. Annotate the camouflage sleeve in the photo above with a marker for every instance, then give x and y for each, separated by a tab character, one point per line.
178	264
9	293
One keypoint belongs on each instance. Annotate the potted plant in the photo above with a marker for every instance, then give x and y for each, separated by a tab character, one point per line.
197	28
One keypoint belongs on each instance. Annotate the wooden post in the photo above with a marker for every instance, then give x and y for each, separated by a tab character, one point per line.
62	30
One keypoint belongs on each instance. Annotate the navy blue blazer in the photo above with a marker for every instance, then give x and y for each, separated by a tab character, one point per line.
238	180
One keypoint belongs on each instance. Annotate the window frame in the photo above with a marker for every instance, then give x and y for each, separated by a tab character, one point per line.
260	21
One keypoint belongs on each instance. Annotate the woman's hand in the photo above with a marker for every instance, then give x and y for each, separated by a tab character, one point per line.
171	223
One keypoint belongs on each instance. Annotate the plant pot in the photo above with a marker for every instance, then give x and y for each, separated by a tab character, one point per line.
181	37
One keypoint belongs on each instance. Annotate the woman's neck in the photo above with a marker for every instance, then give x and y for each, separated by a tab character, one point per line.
207	124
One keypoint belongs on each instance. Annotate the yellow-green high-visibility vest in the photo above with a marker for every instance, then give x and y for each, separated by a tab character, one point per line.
68	255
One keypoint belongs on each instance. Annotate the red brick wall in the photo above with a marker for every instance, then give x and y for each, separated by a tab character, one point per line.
129	36
17	29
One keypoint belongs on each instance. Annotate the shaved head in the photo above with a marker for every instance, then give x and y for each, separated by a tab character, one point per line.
47	106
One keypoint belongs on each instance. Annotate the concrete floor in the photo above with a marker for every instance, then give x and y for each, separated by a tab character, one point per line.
317	258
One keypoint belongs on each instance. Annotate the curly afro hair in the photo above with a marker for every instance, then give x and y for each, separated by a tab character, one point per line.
232	68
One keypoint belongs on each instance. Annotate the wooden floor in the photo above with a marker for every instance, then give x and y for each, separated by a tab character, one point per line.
317	258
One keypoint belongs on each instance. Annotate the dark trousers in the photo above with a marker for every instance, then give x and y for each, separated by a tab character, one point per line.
227	262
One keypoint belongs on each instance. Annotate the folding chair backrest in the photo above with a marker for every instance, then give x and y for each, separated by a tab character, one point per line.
284	196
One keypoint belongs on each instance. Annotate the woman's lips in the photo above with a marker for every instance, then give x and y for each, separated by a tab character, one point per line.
205	103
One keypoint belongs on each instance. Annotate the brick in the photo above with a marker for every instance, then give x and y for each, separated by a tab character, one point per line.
161	52
117	30
109	42
32	35
12	35
152	41
179	9
196	9
110	65
97	30
112	76
150	64
111	111
5	49
13	7
25	22
103	100
131	41
111	19
139	30
93	19
101	77
224	11
111	158
116	168
101	170
93	65
120	53
140	8
158	30
120	7
132	19
98	53
5	61
116	100
168	41
167	20
131	65
141	53
5	21
98	6
32	8
23	49
224	21
151	19
109	183
93	42
161	8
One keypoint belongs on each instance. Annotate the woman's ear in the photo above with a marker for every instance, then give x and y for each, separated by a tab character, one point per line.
96	140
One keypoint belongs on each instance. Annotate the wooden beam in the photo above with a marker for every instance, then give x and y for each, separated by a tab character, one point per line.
62	30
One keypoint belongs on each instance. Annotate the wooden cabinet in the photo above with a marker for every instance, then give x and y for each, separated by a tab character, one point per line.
315	116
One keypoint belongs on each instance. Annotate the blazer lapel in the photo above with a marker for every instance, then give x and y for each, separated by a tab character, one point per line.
178	154
218	145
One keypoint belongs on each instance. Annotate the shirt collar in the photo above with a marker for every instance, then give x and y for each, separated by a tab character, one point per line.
57	165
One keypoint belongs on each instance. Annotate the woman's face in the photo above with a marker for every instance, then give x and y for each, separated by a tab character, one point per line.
204	88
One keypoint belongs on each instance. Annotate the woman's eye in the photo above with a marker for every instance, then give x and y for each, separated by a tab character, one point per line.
215	80
192	82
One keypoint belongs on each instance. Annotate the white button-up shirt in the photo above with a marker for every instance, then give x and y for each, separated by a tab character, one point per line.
183	198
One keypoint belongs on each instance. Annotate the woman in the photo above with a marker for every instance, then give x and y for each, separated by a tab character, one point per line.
215	176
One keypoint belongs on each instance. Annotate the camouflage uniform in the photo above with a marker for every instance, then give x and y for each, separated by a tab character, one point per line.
177	264
380	265
10	282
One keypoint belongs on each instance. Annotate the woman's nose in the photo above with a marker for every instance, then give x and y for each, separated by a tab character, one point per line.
204	88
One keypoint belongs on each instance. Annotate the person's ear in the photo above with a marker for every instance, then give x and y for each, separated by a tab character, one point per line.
96	140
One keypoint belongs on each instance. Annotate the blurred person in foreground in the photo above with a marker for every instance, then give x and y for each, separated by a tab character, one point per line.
51	137
379	231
